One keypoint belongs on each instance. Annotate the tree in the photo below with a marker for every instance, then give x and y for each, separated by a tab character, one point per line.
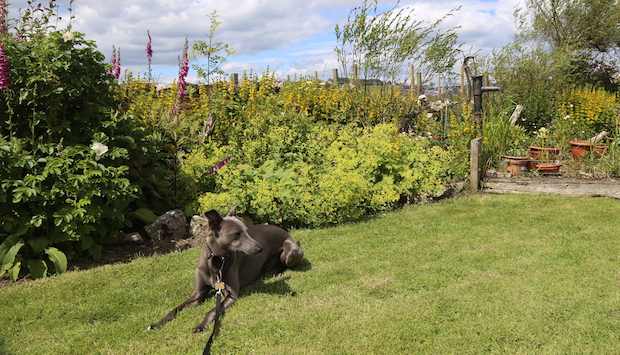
587	32
379	44
210	49
591	25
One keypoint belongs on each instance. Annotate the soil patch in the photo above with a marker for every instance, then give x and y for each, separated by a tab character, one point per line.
114	254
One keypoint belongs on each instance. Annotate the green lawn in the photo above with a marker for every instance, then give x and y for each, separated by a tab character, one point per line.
482	274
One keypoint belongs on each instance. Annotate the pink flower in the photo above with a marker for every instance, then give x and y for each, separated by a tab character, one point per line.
183	71
4	30
149	54
116	63
219	166
5	70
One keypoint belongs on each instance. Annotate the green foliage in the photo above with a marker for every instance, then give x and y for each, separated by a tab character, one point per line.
531	77
576	24
211	49
61	89
302	173
561	45
60	196
500	136
67	186
582	113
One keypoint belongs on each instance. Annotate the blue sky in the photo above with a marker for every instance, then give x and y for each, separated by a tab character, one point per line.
294	37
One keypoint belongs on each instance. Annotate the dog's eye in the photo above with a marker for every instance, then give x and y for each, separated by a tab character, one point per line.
237	235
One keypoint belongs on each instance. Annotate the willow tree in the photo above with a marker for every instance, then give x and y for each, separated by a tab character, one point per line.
380	44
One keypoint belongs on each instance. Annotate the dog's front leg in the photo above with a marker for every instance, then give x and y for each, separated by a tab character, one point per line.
230	299
195	298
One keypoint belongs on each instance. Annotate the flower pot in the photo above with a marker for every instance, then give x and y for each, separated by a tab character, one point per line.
548	169
579	148
544	153
516	165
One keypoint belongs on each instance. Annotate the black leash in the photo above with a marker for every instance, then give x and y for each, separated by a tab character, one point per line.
219	287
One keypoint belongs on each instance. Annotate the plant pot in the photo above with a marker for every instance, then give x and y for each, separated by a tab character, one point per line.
580	147
548	169
516	165
544	153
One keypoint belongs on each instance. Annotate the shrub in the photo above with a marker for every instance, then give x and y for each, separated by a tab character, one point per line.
65	152
582	113
326	174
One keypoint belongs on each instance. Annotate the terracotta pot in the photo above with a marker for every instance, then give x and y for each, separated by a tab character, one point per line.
579	148
544	153
516	165
549	169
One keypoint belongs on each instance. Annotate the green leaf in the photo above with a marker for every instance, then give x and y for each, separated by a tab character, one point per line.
14	271
38	268
87	242
58	258
9	258
95	251
37	220
39	244
146	215
7	226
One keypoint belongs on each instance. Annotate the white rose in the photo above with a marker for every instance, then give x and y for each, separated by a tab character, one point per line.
100	149
68	36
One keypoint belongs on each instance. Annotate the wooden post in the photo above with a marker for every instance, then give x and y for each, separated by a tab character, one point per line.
515	115
462	79
335	71
438	86
475	164
419	81
412	75
235	78
288	78
316	76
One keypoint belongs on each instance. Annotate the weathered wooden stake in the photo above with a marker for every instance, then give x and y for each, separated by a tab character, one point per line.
235	78
335	71
419	81
412	74
475	166
316	76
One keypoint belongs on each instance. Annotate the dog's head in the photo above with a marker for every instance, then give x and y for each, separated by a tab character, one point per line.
228	234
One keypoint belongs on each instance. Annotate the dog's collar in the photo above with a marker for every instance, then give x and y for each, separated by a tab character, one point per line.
216	261
212	254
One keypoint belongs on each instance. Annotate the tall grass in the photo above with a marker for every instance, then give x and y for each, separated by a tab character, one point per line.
486	273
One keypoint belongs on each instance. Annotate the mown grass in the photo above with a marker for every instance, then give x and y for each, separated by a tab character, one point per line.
482	274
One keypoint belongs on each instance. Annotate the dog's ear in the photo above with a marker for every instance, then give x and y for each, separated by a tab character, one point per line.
214	219
233	211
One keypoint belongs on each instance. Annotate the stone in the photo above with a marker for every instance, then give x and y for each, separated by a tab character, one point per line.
198	226
133	238
172	225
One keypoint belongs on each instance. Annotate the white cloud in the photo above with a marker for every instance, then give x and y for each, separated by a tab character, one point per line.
291	37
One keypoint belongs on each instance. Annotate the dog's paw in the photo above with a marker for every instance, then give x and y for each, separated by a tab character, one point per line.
198	329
